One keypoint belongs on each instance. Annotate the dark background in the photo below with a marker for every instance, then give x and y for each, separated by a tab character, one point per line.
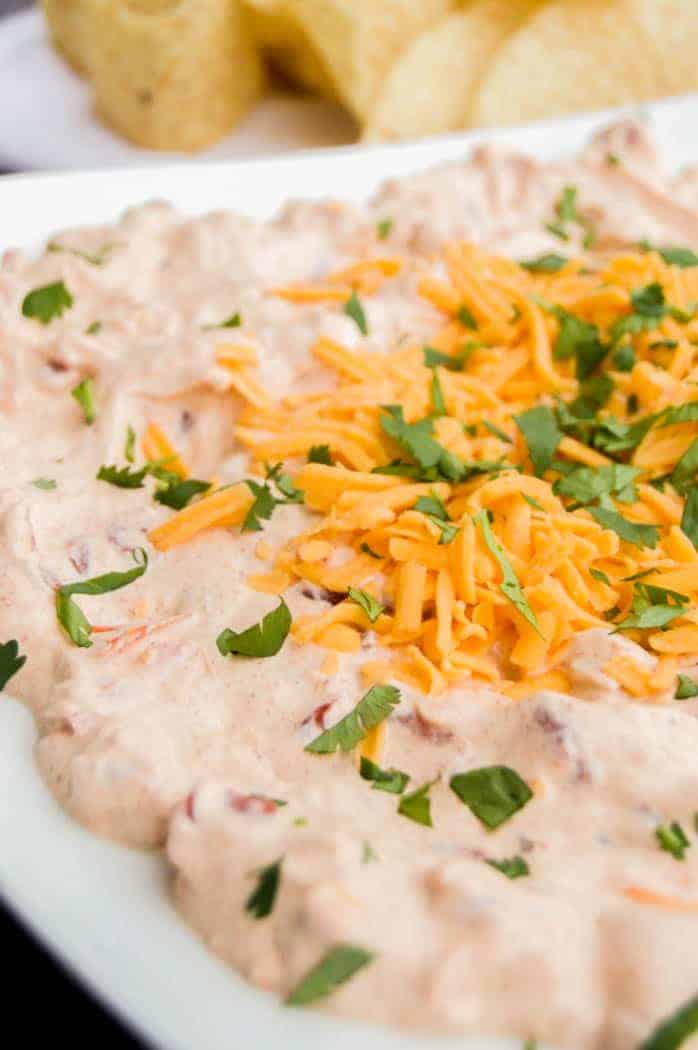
29	974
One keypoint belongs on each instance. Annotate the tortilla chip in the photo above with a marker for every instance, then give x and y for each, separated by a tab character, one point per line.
286	46
673	26
345	48
173	74
67	23
429	89
576	55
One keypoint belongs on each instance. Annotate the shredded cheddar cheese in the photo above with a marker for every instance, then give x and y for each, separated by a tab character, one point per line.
450	603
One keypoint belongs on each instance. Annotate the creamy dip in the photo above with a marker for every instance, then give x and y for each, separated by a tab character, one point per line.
152	738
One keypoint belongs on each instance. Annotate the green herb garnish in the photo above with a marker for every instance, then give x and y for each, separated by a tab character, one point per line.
549	263
84	395
43	304
70	616
373	708
338	966
366	602
672	839
493	794
353	308
394	781
417	805
46	484
510	586
10	661
686	687
513	867
261	640
541	434
675	1030
320	454
260	903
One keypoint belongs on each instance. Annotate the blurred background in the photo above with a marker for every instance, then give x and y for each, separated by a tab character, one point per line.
127	81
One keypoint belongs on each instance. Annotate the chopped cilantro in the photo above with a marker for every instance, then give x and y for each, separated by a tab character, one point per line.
466	318
365	549
394	781
686	687
653	607
593	395
384	229
541	434
370	605
638	535
84	395
685	471
550	263
373	708
93	258
94	328
586	484
368	854
10	661
417	805
624	358
71	617
262	506
234	321
179	493
46	484
130	444
512	867
675	1030
689	518
510	586
683	257
122	477
687	413
320	454
596	574
262	639
353	308
43	304
493	794
453	362
437	394
336	967
579	339
497	431
434	509
672	839
260	903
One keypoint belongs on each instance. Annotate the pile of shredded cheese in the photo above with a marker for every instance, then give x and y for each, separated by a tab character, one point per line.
446	616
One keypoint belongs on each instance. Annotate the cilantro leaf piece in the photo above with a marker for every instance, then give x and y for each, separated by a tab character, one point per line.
354	308
493	794
593	395
437	394
417	805
566	206
373	708
624	358
336	967
649	309
260	902
579	339
10	661
550	263
689	518
370	605
497	431
674	256
686	687
512	867
93	328
369	854
638	535
653	617
687	413
179	493
70	616
510	586
685	471
234	321
600	576
384	228
365	549
94	258
653	607
130	444
433	507
533	502
466	318
675	1030
415	438
262	639
46	484
586	484
262	506
541	434
320	454
394	781
47	302
672	839
122	477
84	395
453	362
284	483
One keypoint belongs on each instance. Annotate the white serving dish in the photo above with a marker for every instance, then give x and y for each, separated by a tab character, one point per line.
103	910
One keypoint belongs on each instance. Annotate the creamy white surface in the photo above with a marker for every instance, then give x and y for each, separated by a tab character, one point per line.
127	737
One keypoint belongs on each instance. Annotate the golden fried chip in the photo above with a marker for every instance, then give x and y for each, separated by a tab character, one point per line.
343	47
173	74
67	23
577	55
430	87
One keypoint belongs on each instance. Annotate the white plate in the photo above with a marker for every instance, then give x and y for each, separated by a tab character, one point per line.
49	124
105	910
